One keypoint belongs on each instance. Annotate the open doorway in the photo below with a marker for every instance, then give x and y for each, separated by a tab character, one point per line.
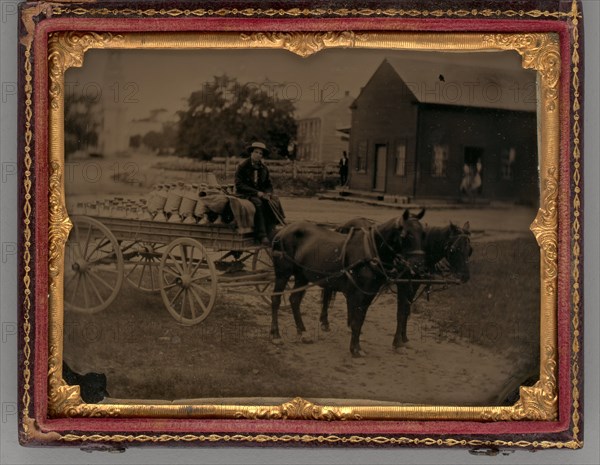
472	182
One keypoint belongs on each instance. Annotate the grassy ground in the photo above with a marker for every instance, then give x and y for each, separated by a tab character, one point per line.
497	308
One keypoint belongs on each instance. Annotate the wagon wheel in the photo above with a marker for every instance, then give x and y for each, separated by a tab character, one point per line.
93	266
142	260
188	281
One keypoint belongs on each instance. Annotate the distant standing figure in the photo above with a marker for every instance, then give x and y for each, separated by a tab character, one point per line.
343	164
253	182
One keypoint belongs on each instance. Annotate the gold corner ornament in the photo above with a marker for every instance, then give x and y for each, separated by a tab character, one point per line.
66	50
540	52
538	402
298	409
304	44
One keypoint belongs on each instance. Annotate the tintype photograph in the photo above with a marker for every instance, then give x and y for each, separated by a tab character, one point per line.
301	225
351	227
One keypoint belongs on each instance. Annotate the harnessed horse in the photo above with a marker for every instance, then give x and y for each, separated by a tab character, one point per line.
356	264
445	247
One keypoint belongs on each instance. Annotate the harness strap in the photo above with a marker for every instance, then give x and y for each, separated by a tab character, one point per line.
345	246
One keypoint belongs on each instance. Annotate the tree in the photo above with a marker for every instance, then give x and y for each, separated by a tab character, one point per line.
225	116
165	139
82	120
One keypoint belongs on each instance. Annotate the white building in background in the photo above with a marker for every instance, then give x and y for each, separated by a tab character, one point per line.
114	134
323	132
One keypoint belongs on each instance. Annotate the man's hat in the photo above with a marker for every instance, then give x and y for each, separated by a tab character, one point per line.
258	145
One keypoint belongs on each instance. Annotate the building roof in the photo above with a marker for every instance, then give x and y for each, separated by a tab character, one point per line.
323	109
484	80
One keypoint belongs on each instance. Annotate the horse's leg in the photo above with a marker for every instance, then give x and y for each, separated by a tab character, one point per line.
357	311
404	296
280	282
295	300
327	294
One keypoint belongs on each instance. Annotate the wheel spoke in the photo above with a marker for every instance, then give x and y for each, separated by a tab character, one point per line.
176	295
85	293
170	286
133	269
184	257
200	288
100	280
141	276
203	276
73	294
200	261
176	263
192	307
263	288
152	271
169	270
94	288
70	280
98	247
183	300
87	238
199	300
76	237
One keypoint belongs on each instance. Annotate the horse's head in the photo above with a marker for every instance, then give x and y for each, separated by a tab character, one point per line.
405	237
459	250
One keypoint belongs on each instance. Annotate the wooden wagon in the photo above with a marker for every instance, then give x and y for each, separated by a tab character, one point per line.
188	264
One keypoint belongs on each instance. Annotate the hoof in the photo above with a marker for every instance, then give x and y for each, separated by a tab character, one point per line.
403	345
325	327
277	341
306	340
359	354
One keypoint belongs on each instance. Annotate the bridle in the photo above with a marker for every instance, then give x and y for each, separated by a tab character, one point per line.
399	265
451	248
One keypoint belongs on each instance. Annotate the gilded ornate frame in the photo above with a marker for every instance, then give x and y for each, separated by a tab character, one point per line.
540	50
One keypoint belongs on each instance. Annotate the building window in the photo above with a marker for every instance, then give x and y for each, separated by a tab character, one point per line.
508	159
361	157
401	160
439	161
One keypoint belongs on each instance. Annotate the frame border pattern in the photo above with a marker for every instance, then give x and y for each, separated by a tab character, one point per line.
315	12
30	426
576	231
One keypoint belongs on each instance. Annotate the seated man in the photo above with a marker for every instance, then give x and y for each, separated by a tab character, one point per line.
252	182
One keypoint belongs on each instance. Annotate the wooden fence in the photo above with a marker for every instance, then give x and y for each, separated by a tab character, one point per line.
224	168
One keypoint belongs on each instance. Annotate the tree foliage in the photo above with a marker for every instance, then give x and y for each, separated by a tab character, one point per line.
225	116
164	139
82	122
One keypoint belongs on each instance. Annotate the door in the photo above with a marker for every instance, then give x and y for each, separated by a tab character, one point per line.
380	168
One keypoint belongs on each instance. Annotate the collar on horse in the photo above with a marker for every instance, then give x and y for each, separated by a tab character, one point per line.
389	271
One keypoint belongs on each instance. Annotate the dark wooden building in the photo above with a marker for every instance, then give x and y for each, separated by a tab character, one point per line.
418	126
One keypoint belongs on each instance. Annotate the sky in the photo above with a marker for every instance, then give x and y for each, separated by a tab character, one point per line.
145	80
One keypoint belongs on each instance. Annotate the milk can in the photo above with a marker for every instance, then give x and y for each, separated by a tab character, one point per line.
158	204
188	204
173	202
